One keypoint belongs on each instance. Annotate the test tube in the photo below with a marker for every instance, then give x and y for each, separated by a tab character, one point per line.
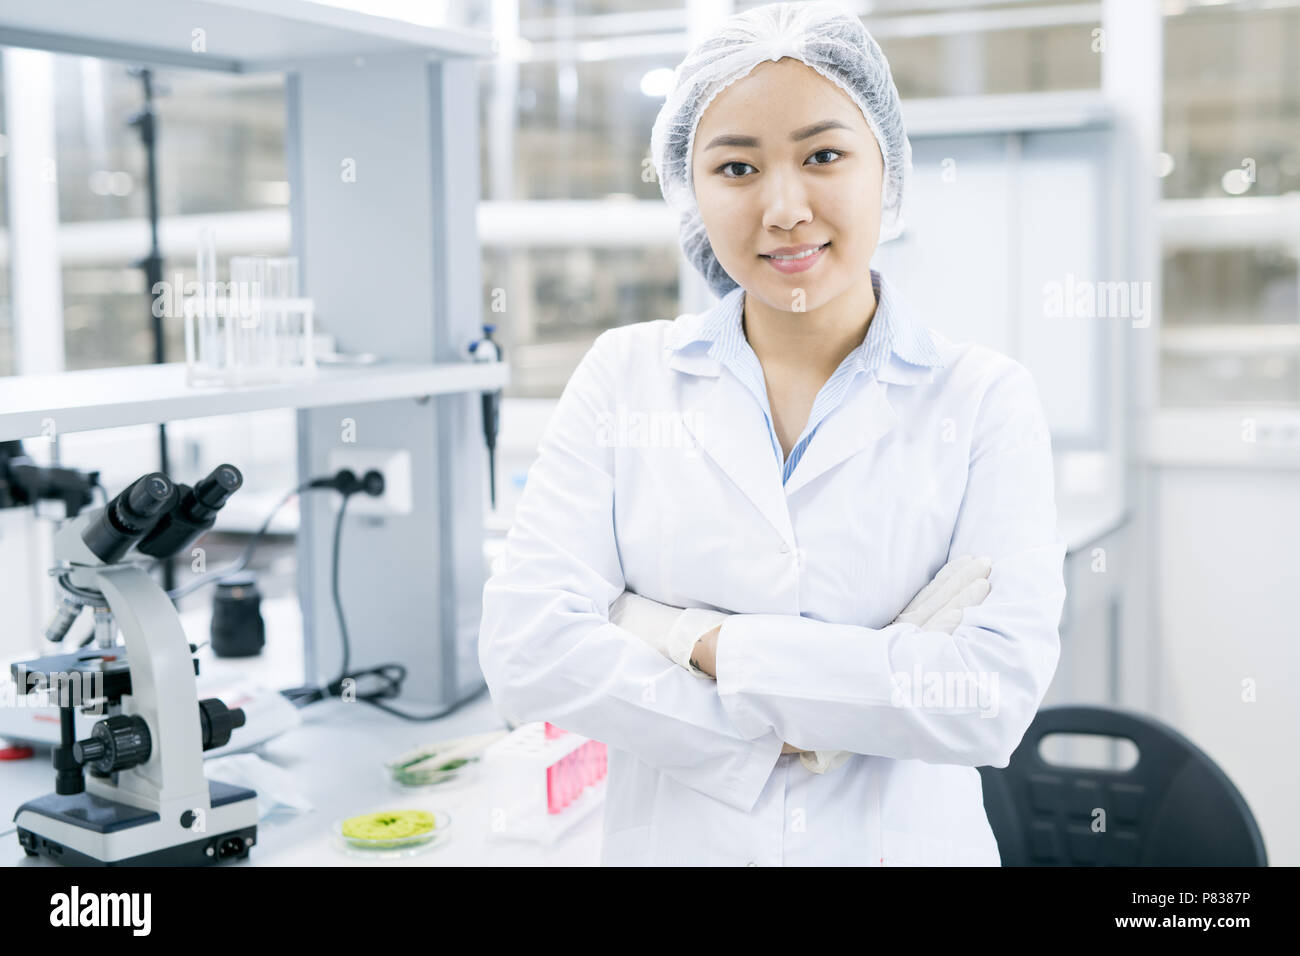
205	319
552	791
286	338
578	783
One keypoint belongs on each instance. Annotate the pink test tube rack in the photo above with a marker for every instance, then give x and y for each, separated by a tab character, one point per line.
568	777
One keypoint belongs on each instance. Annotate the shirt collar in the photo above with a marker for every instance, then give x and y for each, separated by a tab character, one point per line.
891	331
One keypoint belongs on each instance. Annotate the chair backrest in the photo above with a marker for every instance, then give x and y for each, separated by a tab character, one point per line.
1174	807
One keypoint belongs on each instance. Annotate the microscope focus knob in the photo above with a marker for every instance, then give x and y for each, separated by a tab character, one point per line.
115	743
218	721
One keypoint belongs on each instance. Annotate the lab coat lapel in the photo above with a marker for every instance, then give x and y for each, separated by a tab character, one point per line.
861	420
729	427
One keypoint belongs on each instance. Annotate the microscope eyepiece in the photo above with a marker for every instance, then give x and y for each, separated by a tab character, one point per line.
194	513
211	492
129	516
149	493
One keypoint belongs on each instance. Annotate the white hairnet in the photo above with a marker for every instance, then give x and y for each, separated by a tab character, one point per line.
827	37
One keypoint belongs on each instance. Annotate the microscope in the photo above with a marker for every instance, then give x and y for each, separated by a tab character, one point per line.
145	801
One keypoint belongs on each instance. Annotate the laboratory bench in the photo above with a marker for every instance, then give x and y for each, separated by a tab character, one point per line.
335	760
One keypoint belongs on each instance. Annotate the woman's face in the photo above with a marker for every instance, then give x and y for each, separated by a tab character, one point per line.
763	181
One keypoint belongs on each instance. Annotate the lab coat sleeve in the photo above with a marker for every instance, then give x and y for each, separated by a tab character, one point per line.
898	691
547	648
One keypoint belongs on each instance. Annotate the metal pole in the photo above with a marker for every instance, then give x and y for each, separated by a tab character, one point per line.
145	121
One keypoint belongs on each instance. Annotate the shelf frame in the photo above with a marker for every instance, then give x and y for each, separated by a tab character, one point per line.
391	258
237	36
33	406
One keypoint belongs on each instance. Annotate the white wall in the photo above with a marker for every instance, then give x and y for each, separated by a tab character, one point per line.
1227	579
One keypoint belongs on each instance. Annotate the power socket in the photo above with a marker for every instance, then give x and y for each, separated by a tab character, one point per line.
395	466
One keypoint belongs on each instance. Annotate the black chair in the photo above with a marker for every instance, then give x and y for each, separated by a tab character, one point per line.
1174	807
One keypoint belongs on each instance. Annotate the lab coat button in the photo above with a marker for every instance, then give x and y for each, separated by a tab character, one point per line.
785	548
751	863
798	553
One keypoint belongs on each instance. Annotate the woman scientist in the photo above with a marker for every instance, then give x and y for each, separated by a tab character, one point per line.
808	664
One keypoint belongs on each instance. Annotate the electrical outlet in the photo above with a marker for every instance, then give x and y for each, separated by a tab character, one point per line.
395	466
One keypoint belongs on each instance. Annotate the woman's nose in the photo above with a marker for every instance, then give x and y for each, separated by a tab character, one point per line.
785	201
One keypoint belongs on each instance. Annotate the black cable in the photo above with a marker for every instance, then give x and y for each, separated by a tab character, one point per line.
334	587
392	675
242	561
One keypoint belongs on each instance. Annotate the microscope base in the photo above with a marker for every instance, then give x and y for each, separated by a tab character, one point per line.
86	830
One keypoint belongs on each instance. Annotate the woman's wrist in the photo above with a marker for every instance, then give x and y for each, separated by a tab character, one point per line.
704	655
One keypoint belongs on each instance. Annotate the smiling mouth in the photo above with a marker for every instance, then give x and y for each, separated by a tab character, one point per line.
802	255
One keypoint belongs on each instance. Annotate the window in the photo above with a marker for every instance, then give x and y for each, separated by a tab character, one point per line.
1231	212
7	358
220	151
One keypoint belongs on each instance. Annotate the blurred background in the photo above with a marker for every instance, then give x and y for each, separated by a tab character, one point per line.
565	121
1154	144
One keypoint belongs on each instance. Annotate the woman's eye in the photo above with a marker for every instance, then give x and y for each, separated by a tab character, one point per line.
820	152
723	169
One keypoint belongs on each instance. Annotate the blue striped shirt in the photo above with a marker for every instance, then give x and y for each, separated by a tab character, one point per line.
890	331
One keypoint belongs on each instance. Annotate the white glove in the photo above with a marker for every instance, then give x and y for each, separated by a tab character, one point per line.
672	631
961	583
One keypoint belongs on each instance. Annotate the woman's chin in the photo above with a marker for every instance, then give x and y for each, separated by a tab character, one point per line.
813	290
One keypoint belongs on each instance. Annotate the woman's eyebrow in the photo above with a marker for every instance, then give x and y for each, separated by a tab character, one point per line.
734	139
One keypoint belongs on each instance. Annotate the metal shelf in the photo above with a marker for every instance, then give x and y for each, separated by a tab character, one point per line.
239	36
148	394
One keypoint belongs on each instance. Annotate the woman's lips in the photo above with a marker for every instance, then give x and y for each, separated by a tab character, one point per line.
789	266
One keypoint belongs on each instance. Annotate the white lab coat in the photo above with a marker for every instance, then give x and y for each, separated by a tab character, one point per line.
656	473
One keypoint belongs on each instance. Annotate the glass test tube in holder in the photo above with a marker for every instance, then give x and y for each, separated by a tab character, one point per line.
254	329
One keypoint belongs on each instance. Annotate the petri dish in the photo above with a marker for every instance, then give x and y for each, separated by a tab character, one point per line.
392	833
